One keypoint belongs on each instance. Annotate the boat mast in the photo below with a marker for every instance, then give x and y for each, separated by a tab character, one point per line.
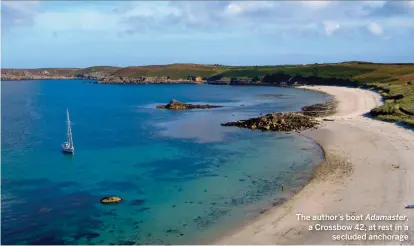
69	137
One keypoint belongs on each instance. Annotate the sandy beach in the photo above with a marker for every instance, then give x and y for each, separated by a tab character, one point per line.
369	169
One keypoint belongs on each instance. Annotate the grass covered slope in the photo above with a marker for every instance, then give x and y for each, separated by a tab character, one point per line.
173	71
394	81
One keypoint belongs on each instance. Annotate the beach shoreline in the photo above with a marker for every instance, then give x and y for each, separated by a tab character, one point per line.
367	169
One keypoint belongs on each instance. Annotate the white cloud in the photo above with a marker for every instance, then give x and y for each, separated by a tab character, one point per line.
330	27
234	8
316	4
18	13
248	6
21	6
77	20
375	29
213	17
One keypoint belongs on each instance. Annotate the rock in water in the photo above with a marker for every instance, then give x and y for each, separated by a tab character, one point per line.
110	200
177	105
277	122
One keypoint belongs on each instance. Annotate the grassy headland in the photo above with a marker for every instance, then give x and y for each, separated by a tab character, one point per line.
395	82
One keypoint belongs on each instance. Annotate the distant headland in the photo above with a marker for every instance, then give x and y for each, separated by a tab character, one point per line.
394	81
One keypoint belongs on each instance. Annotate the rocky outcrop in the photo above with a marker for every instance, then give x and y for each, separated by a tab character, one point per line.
277	122
176	105
33	77
320	109
144	80
405	111
110	200
88	77
394	97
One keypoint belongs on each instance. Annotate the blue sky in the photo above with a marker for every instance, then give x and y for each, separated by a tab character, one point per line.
126	33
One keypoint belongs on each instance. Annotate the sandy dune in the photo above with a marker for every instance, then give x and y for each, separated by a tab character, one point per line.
369	169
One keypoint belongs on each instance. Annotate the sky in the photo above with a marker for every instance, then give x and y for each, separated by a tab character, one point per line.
39	34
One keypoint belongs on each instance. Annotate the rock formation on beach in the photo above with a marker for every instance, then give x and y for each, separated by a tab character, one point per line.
176	105
320	109
277	122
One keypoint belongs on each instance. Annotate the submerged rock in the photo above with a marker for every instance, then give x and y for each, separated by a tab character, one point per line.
177	105
277	122
110	200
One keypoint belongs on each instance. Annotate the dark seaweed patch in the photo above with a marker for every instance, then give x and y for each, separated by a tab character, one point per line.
46	240
46	201
211	218
127	242
86	234
143	209
137	202
189	168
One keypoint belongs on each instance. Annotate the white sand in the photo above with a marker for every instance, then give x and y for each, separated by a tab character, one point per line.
369	168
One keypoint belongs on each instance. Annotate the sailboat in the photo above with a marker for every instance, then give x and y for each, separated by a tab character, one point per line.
67	147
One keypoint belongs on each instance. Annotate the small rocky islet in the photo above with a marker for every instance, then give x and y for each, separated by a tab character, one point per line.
110	200
177	105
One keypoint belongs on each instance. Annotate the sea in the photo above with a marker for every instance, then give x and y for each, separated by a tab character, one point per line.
183	178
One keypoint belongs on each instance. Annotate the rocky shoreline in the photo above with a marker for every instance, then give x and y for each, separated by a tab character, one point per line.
143	80
285	122
320	109
177	105
17	78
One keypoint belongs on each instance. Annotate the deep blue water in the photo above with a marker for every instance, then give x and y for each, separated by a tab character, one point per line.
182	176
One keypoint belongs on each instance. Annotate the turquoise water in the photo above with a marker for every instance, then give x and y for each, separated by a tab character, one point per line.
183	177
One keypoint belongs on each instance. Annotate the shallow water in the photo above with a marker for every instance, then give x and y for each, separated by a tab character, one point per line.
183	177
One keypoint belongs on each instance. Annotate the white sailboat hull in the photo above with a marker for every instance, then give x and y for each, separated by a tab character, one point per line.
68	150
67	147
